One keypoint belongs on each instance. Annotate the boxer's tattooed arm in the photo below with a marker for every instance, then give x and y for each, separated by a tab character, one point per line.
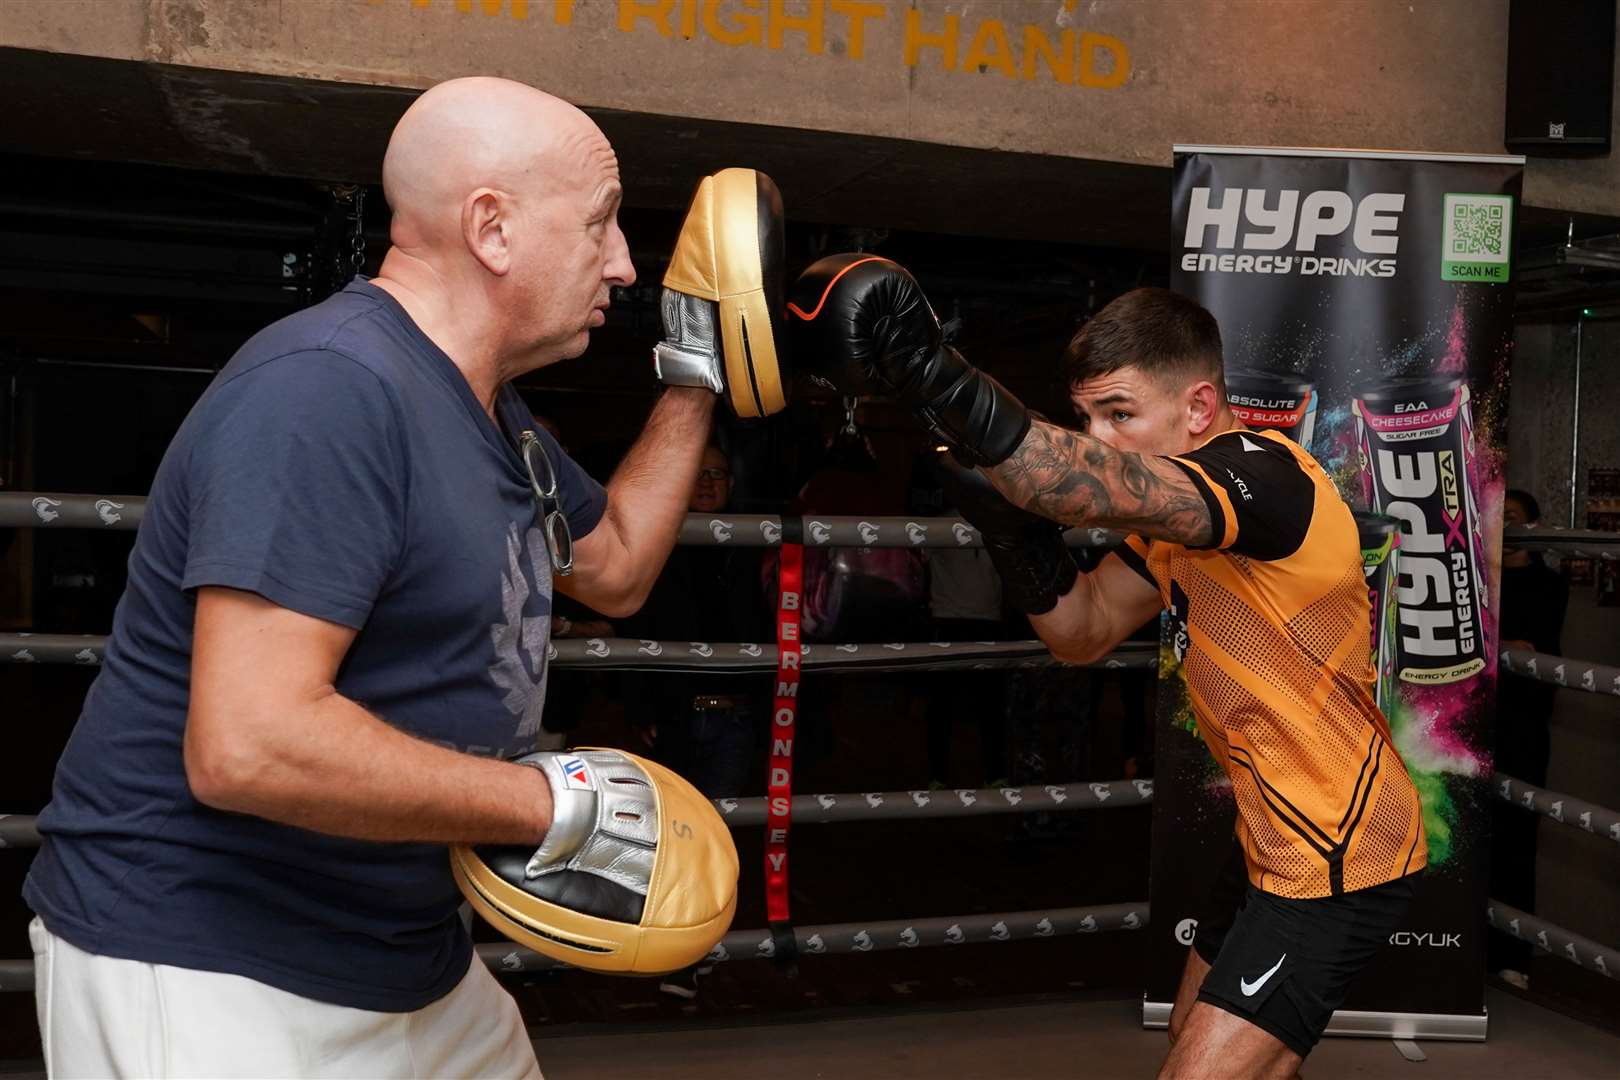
1074	479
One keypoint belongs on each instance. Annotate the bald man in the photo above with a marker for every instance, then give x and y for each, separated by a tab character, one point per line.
334	638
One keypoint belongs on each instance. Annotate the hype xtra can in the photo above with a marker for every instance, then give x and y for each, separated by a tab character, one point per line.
1380	542
1417	450
1285	403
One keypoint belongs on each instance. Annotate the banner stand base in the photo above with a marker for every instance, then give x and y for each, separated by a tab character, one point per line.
1450	1027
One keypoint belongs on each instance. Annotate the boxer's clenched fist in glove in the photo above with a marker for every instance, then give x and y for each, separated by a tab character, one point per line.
861	325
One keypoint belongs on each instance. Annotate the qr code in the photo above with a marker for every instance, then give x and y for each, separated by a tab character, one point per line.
1478	228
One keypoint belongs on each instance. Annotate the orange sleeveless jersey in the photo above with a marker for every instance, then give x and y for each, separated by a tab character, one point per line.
1272	628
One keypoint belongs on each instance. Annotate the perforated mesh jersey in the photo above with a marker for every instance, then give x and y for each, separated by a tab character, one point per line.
1275	648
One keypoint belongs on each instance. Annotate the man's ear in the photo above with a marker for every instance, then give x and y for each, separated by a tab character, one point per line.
484	230
1203	406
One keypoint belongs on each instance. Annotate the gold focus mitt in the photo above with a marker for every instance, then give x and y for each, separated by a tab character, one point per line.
723	295
637	874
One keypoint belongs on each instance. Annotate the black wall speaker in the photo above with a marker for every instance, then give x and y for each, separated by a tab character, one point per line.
1560	79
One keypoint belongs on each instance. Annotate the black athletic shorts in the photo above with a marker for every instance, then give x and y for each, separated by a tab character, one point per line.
1285	965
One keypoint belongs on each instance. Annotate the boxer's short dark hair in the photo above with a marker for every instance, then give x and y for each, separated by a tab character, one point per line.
1156	331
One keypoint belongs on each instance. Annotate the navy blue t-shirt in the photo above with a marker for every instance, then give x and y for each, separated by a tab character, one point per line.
341	467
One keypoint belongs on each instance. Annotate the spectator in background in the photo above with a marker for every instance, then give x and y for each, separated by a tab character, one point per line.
1534	599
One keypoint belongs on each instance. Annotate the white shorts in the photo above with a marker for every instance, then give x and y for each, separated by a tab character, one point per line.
103	1017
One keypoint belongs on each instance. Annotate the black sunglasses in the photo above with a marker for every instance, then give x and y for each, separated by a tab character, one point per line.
543	482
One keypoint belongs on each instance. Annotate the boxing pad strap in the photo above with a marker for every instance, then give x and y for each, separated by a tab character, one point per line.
689	355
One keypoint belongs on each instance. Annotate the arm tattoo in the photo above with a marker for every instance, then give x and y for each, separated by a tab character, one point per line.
1074	479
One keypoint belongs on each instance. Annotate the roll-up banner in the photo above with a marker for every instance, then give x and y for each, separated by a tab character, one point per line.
1365	301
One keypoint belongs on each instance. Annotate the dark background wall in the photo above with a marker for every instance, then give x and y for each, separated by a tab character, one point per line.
1578	874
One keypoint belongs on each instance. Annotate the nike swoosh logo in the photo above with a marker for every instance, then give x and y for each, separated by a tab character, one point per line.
1252	988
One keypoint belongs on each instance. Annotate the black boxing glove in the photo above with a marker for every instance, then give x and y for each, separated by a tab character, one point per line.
859	324
1026	549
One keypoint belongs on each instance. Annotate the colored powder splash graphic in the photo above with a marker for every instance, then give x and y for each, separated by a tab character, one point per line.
1334	447
1439	347
1431	725
1438	814
1436	731
1453	359
1174	680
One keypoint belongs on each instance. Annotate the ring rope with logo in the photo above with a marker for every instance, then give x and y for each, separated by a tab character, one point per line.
1566	944
17	976
1561	671
1564	809
947	803
884	935
22	830
624	654
58	510
757	530
55	510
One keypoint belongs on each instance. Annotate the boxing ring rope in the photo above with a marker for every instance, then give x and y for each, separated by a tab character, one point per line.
1564	809
1571	543
17	976
1580	951
1555	939
59	510
56	510
946	803
22	830
881	935
1562	671
824	530
629	654
19	831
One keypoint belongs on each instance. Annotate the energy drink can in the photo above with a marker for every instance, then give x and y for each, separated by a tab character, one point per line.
1380	541
1417	450
1286	403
